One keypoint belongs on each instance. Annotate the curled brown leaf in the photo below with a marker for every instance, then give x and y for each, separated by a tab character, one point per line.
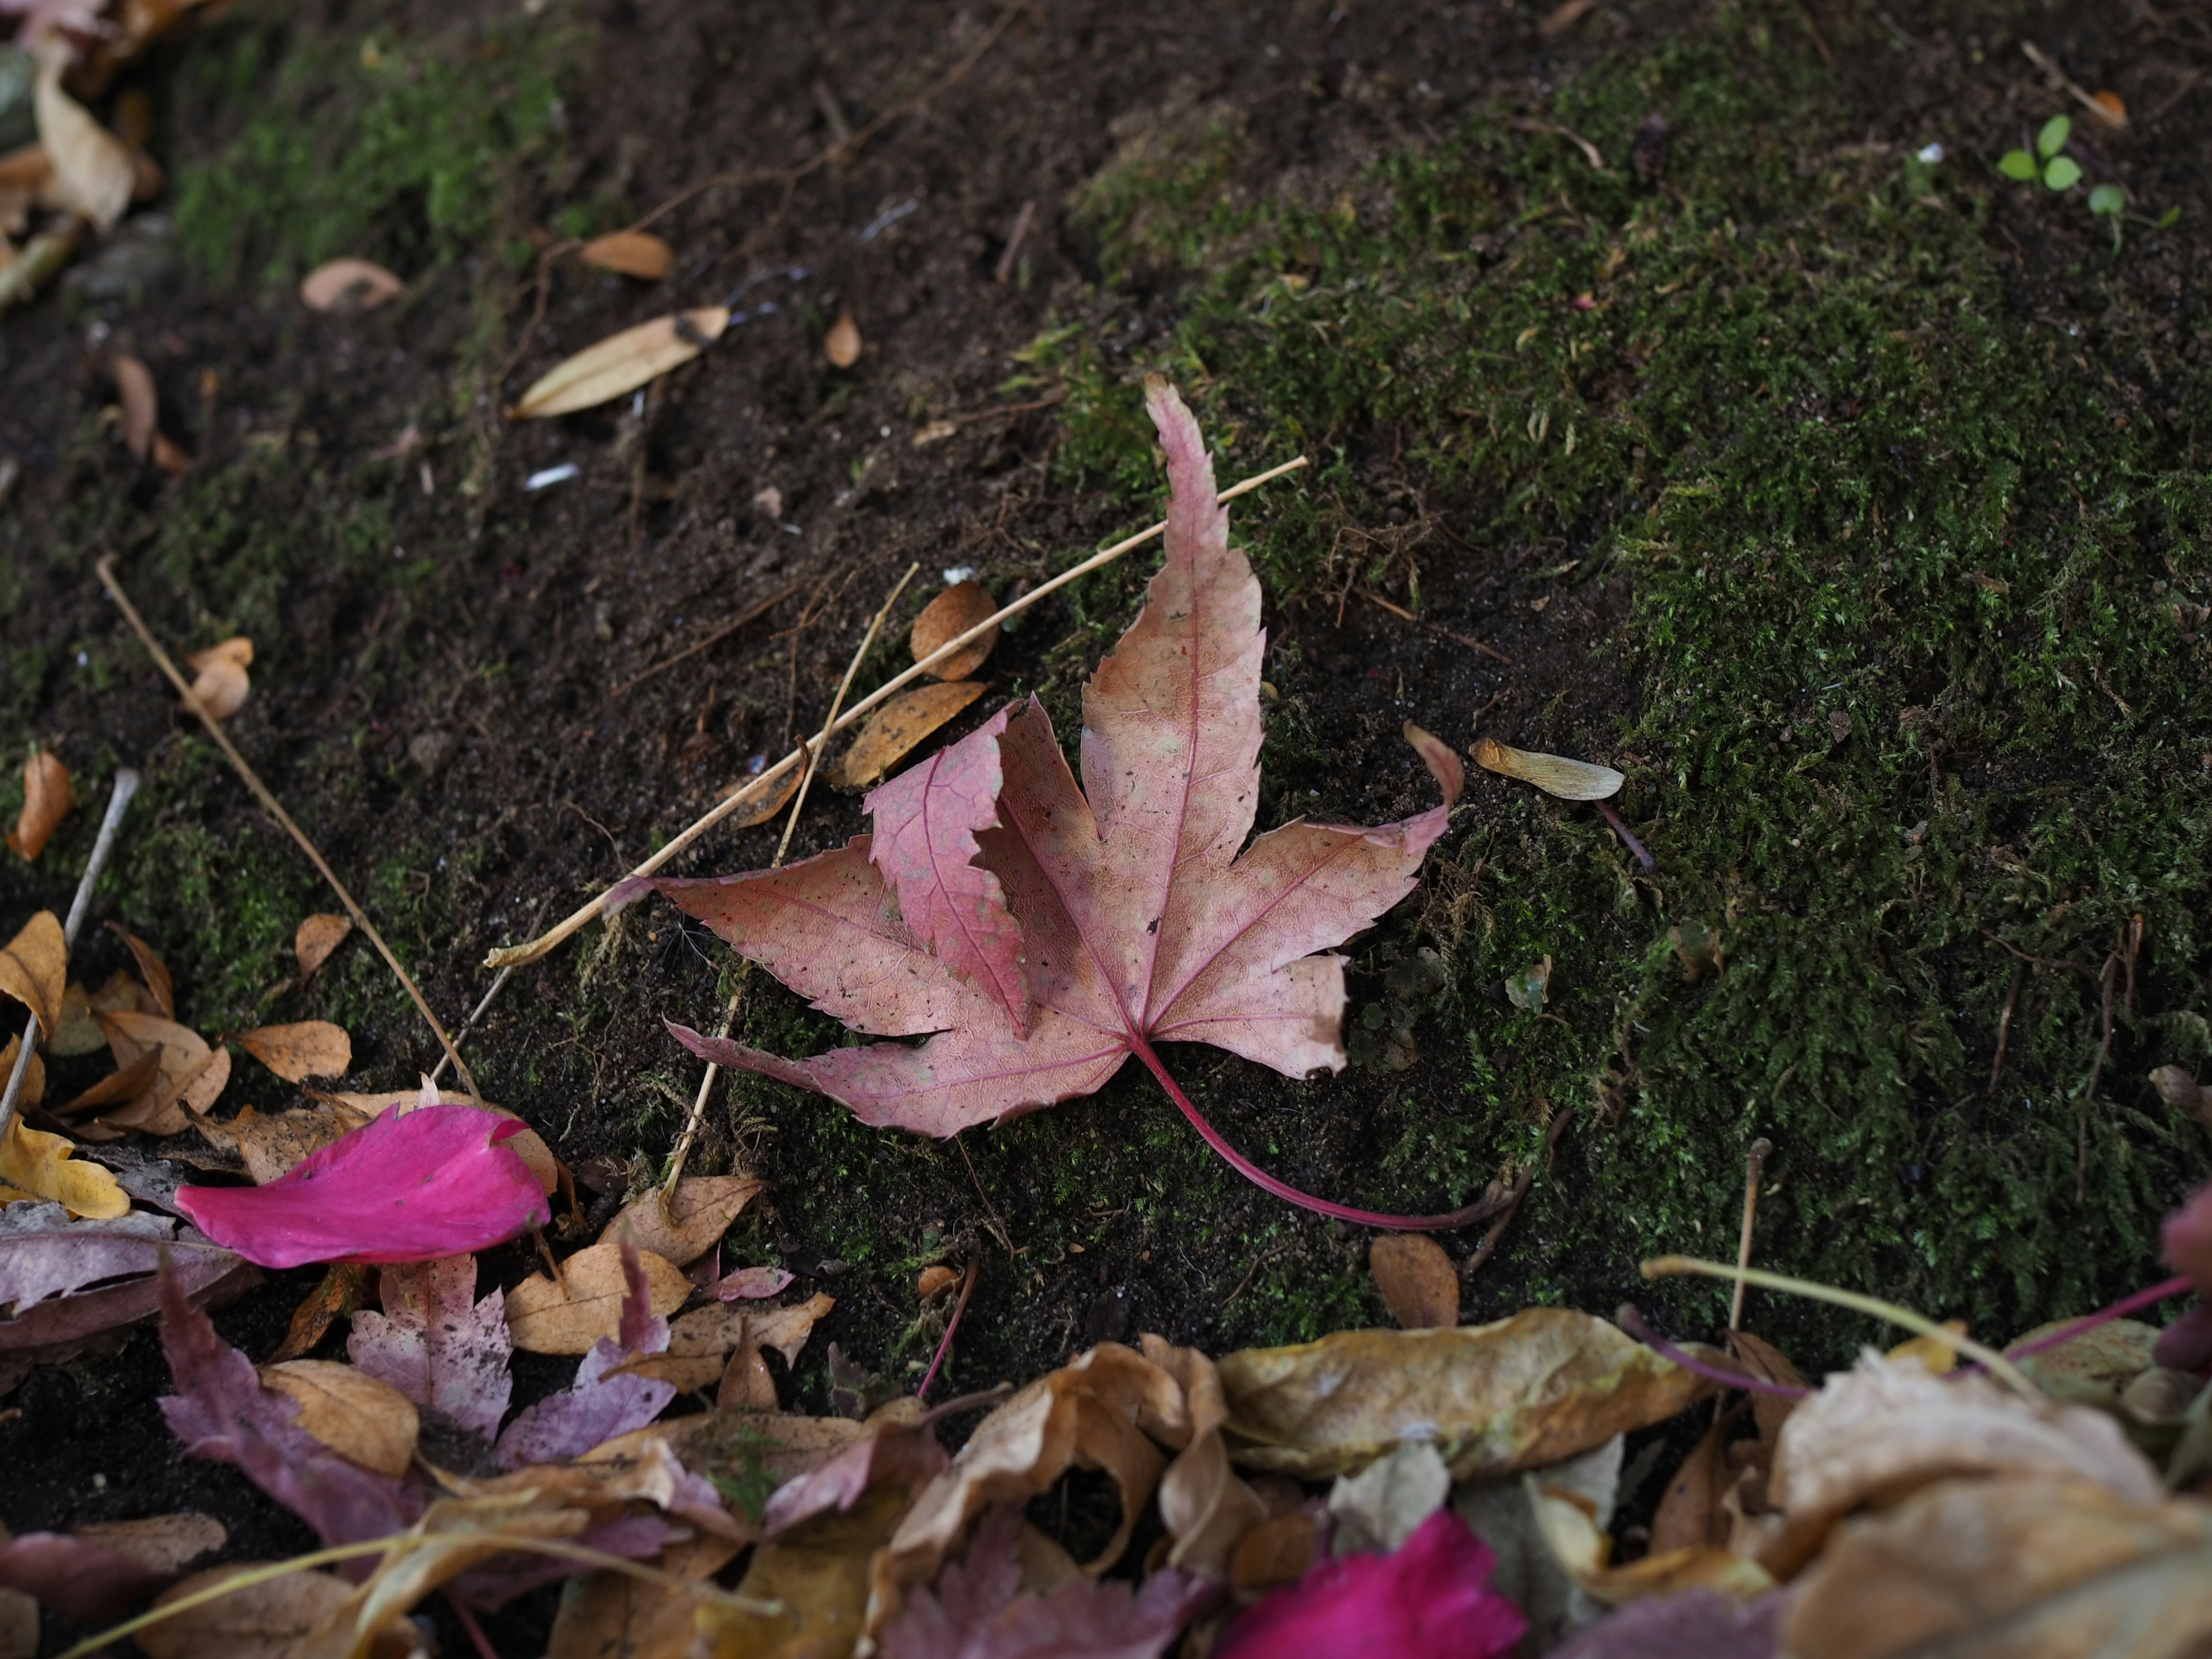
47	799
900	726
945	618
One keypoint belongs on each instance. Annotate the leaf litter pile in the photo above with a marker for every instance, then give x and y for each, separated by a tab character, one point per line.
1553	1482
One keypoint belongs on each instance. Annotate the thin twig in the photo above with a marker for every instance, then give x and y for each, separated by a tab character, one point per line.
945	1343
2089	1091
798	804
531	949
126	786
106	570
1489	651
751	613
2004	1026
498	983
1754	1167
2113	119
1495	1234
1590	152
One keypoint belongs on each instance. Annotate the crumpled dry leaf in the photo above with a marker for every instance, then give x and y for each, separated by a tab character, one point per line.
1879	1430
220	682
161	1543
268	1620
898	1449
819	1572
542	1318
92	172
1541	1386
151	968
1419	1283
34	969
310	1048
1503	1514
348	284
437	1345
699	1213
698	1342
47	1260
363	1421
1206	1508
898	728
603	1401
629	254
951	614
612	1615
317	936
2027	1567
621	362
750	1284
841	344
1555	774
340	1292
36	1164
1582	1548
47	799
190	1075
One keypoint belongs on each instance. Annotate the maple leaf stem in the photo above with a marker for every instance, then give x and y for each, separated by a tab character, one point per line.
1481	1210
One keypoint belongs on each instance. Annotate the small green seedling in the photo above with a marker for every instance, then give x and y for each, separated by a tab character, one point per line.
2109	202
2058	171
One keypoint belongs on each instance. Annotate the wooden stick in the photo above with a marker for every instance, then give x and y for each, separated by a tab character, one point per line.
1754	1167
533	949
106	570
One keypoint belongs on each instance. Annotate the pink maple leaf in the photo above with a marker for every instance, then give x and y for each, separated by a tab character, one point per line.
437	1344
1044	934
405	1187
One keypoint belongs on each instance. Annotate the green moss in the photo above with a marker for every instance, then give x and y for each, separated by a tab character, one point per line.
1916	587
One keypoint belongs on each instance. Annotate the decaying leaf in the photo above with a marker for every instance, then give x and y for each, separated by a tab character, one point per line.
1526	1391
69	1278
92	172
1555	774
2093	1368
220	682
34	1071
899	727
317	936
951	614
142	409
405	1186
765	805
190	1075
543	1317
437	1344
699	1342
273	1144
151	968
698	1213
1583	1547
1385	1503
819	1572
612	1615
1417	1281
363	1421
348	284
1439	756
312	1047
34	969
750	1284
604	1401
621	362
338	1293
79	1579
161	1543
841	344
36	1164
1690	1514
47	799
629	254
269	1620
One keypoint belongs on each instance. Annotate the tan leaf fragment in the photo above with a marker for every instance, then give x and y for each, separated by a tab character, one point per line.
191	1074
92	172
612	1615
79	1033
2094	1367
310	1048
700	1342
1417	1281
1690	1515
621	362
1582	1548
160	1543
1206	1509
34	1074
946	618
34	969
542	1318
220	683
698	1214
317	936
142	409
362	1420
1555	774
47	799
122	1085
841	344
763	806
348	284
894	729
629	254
267	1620
151	968
274	1143
1535	1388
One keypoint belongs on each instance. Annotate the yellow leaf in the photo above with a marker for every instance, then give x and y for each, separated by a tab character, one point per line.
34	1074
34	970
1555	774
621	362
364	1420
36	1164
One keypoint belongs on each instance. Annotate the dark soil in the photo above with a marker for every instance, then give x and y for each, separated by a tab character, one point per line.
442	651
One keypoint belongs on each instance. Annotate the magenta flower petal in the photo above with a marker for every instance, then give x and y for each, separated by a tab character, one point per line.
412	1187
1432	1599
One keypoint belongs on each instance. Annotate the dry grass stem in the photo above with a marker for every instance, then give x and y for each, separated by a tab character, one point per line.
1754	1169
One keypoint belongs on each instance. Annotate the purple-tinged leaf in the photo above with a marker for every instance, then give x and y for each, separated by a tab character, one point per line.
435	1181
437	1345
500	1580
1699	1624
604	1400
79	1580
907	1453
751	1284
43	1251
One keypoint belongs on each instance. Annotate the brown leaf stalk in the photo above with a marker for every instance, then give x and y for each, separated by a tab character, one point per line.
1755	1170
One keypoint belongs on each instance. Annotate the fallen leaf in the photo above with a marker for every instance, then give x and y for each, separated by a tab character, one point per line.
629	254
220	683
36	1164
271	1619
437	1345
1526	1391
169	457
621	362
79	1033
2035	1568
935	1282
543	1318
1695	1624
405	1186
893	1452
751	1284
698	1341
340	1291
80	1580
93	174
1770	1364
1275	1552
897	728
365	1421
1502	1512
151	968
161	1543
349	285
841	344
1385	1503
696	1215
1441	760
976	1609
273	1144
1584	1549
1139	919
34	969
1555	774
34	1089
1430	1600
1416	1279
317	936
765	806
819	1572
945	618
312	1048
1207	1510
603	1401
2093	1368
190	1075
141	410
49	1263
1690	1514
47	799
612	1615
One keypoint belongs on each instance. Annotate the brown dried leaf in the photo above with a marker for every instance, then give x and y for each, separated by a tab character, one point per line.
699	1213
363	1421
629	254
220	683
542	1318
142	409
1770	1364
1416	1280
151	968
273	1143
160	1543
340	1291
841	344
1276	1551
820	1573
191	1074
945	618
894	729
1582	1547
34	969
1207	1510
763	806
92	175
621	362
746	1384
935	1281
1690	1515
169	457
268	1620
349	285
47	799
1555	774
310	1048
1541	1386
698	1341
34	1074
319	935
79	1033
612	1615
125	1083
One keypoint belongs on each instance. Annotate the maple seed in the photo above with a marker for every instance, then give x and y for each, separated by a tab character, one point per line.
1045	934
